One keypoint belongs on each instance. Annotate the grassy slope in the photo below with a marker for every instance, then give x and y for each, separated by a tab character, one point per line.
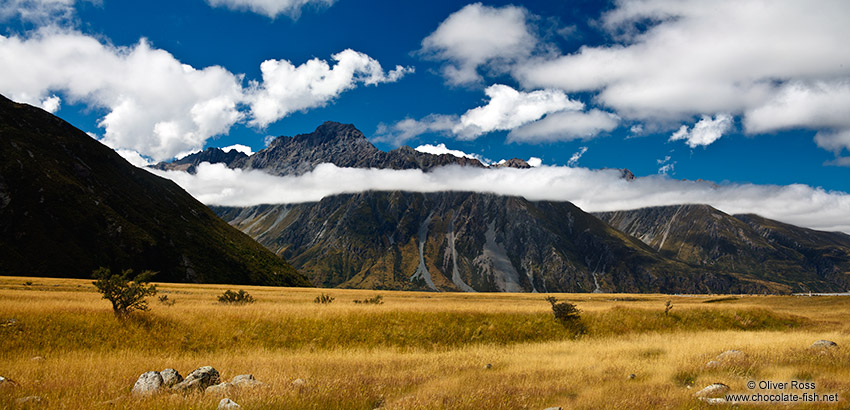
418	350
71	205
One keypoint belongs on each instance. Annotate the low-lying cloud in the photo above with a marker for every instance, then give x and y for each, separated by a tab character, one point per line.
591	190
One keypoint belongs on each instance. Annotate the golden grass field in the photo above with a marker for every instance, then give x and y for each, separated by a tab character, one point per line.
416	351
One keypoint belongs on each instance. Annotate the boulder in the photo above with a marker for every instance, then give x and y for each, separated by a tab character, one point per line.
713	390
246	380
299	383
37	359
148	383
198	380
823	344
220	388
226	403
170	377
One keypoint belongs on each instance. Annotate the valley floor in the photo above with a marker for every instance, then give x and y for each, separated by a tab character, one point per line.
60	341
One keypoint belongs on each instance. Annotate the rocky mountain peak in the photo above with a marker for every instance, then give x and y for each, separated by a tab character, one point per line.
512	163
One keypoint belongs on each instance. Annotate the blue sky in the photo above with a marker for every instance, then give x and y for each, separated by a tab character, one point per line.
735	92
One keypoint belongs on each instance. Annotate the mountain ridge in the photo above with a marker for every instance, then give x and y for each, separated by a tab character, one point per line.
69	204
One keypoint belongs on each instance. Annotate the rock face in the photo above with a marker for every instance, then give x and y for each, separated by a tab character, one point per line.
69	204
468	242
794	259
242	381
147	384
198	380
170	377
342	145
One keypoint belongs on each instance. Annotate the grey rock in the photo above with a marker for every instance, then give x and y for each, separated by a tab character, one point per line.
37	359
631	376
299	383
170	377
220	388
246	380
823	344
553	408
713	390
198	380
226	403
488	366
148	383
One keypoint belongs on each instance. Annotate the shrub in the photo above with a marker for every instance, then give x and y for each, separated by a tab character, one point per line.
667	307
166	301
236	298
375	300
323	299
566	313
126	292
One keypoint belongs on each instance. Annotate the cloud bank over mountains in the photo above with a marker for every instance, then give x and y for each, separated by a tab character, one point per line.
591	190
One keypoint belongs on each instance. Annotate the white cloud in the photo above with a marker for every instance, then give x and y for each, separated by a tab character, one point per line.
509	108
666	165
704	132
134	158
576	156
441	149
271	8
158	106
566	126
781	64
591	190
409	128
478	35
239	147
534	162
287	88
51	104
39	12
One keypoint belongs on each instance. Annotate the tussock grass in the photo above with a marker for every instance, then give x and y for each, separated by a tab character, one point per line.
416	351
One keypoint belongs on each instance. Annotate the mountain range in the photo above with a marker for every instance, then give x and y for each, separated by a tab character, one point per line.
69	204
467	241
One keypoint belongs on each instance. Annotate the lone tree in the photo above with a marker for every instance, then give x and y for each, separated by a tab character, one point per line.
568	314
127	293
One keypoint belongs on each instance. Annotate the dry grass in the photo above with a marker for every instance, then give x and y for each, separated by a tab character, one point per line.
417	350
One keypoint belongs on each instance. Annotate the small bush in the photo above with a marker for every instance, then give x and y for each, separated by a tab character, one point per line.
236	298
375	300
667	307
323	299
126	294
27	283
166	301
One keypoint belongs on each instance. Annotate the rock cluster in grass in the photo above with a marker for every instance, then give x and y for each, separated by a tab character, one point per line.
204	379
226	404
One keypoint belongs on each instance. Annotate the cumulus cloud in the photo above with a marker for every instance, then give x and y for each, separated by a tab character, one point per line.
476	36
666	165
287	88
409	128
51	104
271	8
239	147
704	132
566	126
576	156
534	162
158	106
779	65
509	108
591	190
